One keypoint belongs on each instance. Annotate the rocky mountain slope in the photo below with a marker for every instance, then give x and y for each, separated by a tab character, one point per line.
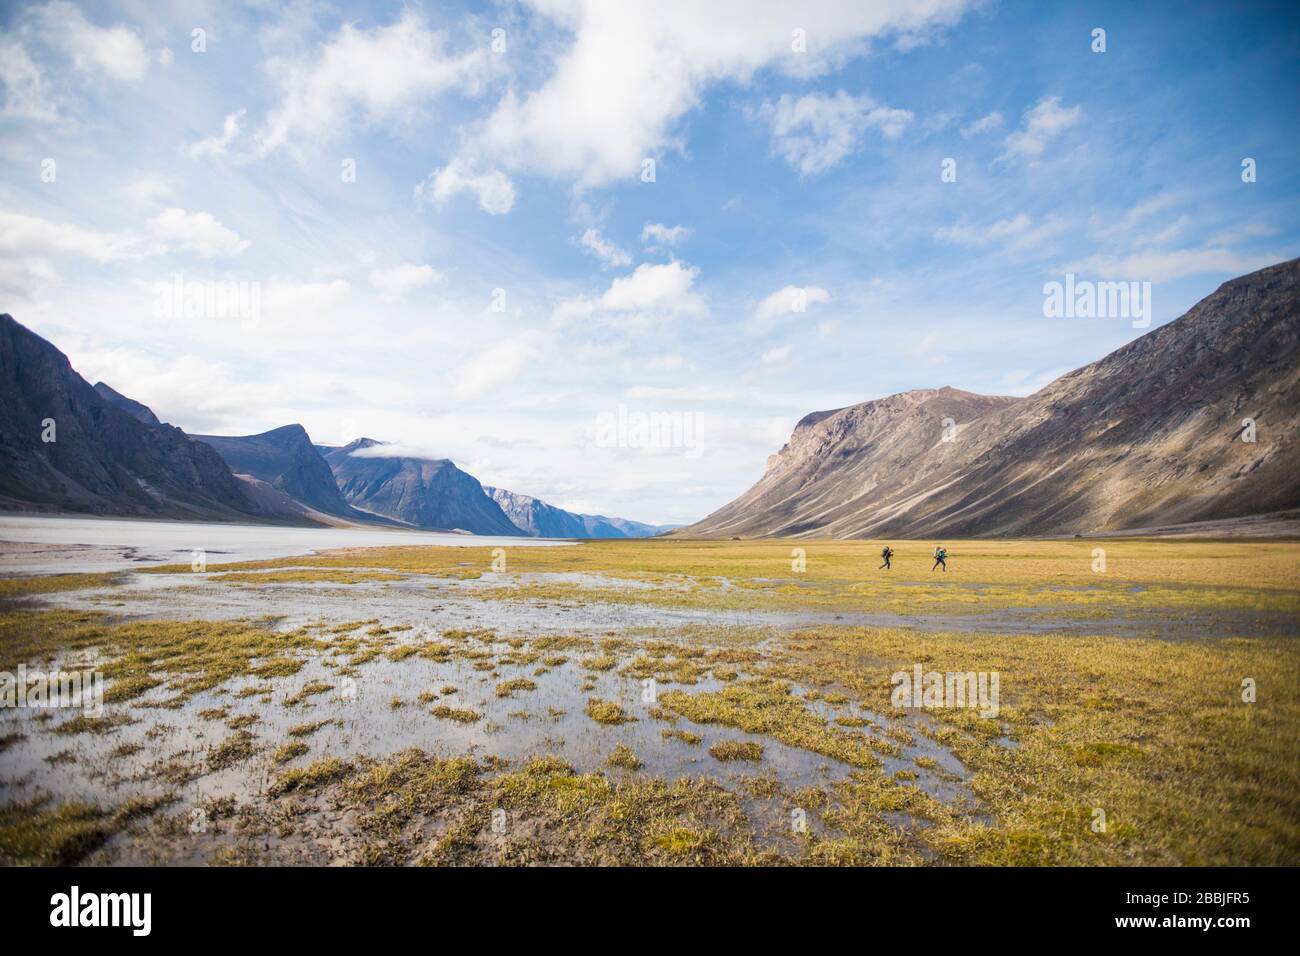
102	459
286	459
538	519
137	410
424	493
1150	435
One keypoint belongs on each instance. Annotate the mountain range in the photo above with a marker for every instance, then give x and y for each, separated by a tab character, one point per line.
1195	421
66	446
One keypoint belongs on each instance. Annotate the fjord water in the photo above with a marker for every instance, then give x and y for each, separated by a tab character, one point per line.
57	543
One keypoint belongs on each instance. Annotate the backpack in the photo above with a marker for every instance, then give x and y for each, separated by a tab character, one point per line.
885	552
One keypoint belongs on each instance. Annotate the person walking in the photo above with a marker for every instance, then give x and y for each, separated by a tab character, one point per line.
886	554
940	558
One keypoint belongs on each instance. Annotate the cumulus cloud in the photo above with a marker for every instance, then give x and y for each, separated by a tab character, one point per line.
495	192
196	232
790	300
603	249
383	73
653	290
633	70
815	132
1043	122
393	284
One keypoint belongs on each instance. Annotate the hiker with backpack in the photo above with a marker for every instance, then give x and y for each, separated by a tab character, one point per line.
887	553
940	557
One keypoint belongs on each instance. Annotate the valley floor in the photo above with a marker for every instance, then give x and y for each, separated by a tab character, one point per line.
665	702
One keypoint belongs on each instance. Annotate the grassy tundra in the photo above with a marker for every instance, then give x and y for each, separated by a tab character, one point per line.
665	701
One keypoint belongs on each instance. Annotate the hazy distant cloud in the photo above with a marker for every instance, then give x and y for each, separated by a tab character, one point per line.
494	367
29	244
657	234
495	192
790	300
216	146
1016	232
1160	266
775	356
1043	122
603	249
197	232
815	132
393	284
382	73
982	125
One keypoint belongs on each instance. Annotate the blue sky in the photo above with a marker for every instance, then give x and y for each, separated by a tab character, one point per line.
514	177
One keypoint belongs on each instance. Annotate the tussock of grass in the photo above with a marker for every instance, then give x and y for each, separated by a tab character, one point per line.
624	758
507	688
313	775
461	716
606	712
737	750
33	833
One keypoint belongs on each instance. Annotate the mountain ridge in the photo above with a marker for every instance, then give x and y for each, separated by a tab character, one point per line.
1145	436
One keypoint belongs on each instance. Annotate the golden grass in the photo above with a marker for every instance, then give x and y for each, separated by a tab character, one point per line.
982	574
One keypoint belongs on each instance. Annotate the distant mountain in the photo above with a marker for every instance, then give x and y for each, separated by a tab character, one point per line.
424	493
536	518
1149	436
286	459
138	411
103	459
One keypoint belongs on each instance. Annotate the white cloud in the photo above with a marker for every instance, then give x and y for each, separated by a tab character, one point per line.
633	70
197	232
665	287
496	194
1017	232
603	249
775	356
116	51
790	300
815	132
394	283
26	95
383	73
215	147
982	125
31	236
653	290
1043	122
657	234
497	366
